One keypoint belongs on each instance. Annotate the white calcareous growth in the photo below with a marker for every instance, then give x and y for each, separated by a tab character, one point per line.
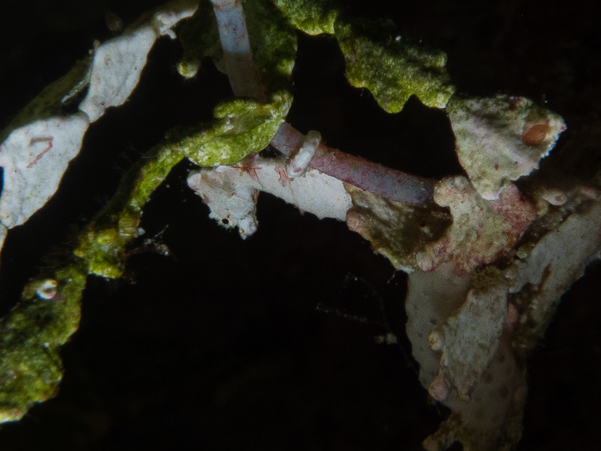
457	337
558	260
501	139
34	159
231	191
118	63
467	337
482	230
297	165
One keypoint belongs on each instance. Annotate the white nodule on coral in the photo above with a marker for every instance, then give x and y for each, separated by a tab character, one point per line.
438	388
34	158
554	196
435	340
297	164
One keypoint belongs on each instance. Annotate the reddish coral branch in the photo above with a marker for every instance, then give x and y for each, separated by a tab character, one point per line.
390	183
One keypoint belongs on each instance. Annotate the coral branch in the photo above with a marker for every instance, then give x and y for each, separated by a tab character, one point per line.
231	191
390	183
236	49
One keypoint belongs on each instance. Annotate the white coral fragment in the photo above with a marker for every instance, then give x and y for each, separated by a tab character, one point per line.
116	70
230	191
501	139
231	202
118	62
467	338
477	358
557	261
481	231
432	297
471	338
34	158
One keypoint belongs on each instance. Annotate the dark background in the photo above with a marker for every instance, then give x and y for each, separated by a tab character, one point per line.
269	343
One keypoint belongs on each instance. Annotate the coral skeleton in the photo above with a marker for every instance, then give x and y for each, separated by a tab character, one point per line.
473	244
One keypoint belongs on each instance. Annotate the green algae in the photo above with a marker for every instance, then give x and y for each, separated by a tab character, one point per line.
35	329
30	368
392	67
310	16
